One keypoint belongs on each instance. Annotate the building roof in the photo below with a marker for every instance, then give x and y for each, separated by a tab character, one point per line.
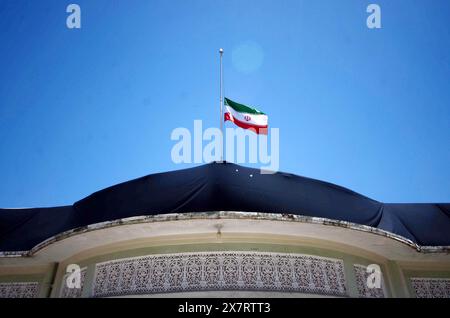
225	187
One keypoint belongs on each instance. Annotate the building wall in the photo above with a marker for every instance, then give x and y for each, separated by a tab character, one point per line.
396	280
271	258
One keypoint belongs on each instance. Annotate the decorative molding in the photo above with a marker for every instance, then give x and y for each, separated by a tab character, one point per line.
66	292
165	273
224	215
19	290
431	287
361	283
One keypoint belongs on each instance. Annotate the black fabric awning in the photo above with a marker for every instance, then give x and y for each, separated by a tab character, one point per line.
225	187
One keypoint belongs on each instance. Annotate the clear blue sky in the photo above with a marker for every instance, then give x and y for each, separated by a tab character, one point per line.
81	110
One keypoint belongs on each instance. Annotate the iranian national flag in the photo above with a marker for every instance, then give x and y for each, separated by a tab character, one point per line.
245	117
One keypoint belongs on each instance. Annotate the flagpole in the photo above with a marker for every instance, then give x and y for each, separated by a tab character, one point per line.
221	103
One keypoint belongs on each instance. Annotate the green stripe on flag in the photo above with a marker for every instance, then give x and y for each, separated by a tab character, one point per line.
242	108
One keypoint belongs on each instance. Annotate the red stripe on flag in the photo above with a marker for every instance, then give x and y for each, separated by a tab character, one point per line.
255	128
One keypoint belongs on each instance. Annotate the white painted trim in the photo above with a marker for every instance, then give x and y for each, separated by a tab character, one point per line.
256	219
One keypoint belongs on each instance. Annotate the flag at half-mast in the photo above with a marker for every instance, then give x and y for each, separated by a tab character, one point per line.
245	117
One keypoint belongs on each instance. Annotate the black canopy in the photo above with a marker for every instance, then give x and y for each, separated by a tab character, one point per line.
225	187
